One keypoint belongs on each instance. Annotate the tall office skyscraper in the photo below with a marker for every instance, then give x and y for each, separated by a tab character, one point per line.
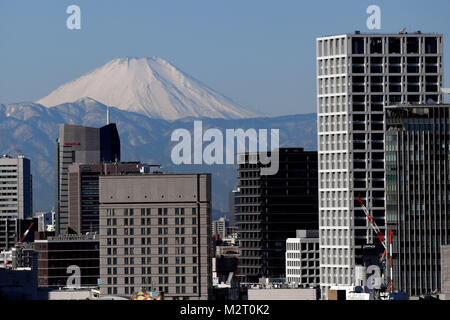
417	145
16	196
271	208
358	74
78	144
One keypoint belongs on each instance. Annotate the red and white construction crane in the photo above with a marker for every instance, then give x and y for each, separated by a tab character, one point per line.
382	239
22	238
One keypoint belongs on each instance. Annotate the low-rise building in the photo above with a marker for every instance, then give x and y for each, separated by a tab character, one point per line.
302	259
63	257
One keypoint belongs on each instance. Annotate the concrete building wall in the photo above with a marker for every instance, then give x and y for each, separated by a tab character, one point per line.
445	272
282	294
15	187
156	234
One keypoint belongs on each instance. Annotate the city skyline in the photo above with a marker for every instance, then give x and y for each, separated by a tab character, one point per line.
209	151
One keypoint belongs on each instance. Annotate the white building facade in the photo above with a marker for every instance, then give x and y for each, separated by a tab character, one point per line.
357	75
219	227
302	259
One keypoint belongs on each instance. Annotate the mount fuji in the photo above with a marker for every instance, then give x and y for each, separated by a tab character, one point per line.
151	87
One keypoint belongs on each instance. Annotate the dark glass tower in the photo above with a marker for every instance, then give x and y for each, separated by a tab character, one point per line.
417	158
270	208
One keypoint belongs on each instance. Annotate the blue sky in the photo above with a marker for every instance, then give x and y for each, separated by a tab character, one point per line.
260	53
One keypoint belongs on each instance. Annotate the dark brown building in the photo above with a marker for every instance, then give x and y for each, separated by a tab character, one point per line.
57	254
84	192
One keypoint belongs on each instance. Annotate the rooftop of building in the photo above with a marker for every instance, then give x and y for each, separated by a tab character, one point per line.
7	156
71	238
401	33
152	174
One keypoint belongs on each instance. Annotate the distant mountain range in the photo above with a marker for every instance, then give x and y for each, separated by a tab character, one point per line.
150	86
31	129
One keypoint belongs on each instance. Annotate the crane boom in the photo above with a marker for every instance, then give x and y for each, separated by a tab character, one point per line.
373	224
382	240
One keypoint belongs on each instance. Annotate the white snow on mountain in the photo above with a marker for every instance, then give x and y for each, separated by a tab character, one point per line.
149	86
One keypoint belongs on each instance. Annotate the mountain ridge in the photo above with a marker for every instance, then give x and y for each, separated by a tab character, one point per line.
150	86
31	129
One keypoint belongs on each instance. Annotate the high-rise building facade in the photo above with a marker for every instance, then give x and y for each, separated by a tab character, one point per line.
83	181
232	201
16	196
219	227
78	144
417	159
357	75
271	208
156	234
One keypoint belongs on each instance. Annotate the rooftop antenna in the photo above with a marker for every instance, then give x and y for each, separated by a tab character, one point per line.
402	30
107	115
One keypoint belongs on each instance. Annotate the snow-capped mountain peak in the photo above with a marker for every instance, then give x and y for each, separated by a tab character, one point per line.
150	86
